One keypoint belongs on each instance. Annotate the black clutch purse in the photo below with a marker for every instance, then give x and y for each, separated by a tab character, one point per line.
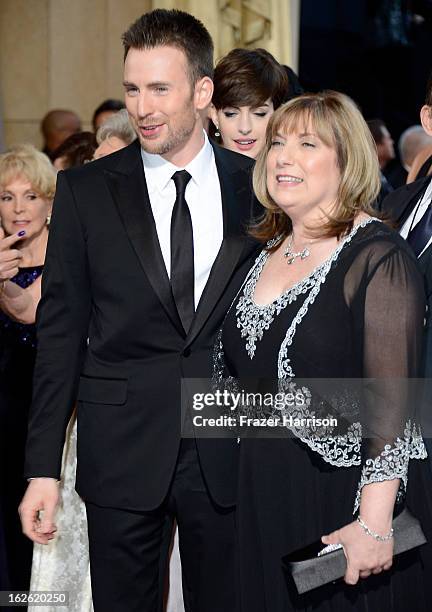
309	571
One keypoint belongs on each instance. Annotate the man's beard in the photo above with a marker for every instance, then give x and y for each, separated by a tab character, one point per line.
174	139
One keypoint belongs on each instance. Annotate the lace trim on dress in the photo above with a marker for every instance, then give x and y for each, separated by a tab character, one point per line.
393	462
345	450
338	450
284	368
220	379
219	366
253	319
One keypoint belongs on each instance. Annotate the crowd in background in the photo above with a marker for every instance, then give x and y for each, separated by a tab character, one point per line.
249	87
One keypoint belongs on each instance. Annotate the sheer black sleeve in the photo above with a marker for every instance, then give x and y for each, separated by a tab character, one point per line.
393	307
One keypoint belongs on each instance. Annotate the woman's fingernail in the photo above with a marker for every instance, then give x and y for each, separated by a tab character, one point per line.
21	233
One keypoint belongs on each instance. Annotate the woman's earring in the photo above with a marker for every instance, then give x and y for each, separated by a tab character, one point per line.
217	133
48	220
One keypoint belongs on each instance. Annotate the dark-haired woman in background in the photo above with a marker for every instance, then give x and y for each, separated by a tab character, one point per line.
76	150
249	85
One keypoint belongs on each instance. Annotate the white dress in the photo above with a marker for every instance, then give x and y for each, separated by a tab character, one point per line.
63	564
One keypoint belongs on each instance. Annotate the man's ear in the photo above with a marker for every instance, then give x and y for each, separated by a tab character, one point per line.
203	93
426	118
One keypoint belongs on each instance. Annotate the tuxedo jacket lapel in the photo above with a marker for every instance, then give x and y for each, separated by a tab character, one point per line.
425	264
405	199
399	205
128	187
129	190
237	204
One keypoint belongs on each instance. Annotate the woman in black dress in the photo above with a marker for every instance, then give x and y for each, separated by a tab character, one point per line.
27	185
334	294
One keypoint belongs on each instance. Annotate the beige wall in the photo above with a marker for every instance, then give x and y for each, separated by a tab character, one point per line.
59	54
68	53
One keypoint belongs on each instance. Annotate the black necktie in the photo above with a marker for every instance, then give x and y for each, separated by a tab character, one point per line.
182	252
420	235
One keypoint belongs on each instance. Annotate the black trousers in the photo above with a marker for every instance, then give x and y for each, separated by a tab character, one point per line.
128	550
16	550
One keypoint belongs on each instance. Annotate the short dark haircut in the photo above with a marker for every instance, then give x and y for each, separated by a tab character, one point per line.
376	127
249	77
295	88
107	105
428	100
77	150
173	28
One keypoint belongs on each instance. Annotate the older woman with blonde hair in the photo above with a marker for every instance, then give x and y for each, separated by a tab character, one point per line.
27	185
335	294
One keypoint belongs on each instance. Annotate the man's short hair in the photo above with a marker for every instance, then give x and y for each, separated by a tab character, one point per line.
173	28
376	127
111	104
59	120
428	99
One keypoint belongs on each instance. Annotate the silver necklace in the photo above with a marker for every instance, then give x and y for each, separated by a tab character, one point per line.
291	256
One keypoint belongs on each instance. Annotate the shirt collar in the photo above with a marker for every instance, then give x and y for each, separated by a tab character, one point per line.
159	171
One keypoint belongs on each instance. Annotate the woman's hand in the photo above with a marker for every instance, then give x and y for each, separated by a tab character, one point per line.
364	554
18	303
9	257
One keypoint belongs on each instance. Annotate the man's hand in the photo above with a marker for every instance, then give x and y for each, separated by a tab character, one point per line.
42	495
9	256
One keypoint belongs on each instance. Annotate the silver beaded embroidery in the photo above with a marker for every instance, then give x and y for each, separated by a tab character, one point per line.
252	319
393	462
345	450
337	450
284	368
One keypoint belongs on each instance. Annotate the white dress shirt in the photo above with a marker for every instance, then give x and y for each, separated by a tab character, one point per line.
203	196
417	214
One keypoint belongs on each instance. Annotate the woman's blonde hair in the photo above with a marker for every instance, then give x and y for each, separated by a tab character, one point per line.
25	161
337	121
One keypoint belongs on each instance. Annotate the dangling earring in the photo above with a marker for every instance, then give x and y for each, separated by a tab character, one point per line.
217	133
48	220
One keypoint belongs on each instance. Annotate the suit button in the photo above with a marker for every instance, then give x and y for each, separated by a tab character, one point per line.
186	352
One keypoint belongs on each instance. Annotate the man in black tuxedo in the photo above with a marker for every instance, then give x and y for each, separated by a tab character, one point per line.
147	249
410	207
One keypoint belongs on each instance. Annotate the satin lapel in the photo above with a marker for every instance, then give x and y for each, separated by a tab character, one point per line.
129	190
407	199
425	257
237	206
425	265
424	261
